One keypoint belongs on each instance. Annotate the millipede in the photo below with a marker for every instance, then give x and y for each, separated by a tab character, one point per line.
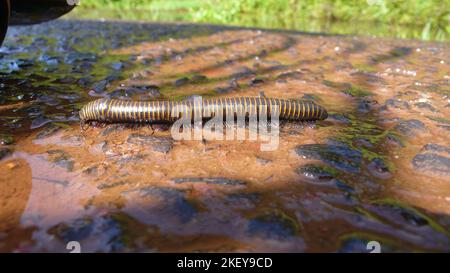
156	111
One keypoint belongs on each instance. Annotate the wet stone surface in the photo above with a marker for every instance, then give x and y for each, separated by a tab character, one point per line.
340	157
6	140
174	200
61	159
272	226
411	127
433	159
376	169
4	152
158	144
212	180
316	173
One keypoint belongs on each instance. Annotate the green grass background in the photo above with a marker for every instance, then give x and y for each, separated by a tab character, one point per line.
420	19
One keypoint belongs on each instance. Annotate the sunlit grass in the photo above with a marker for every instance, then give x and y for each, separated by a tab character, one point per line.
150	5
427	20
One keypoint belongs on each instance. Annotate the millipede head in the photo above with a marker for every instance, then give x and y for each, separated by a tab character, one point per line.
323	114
92	110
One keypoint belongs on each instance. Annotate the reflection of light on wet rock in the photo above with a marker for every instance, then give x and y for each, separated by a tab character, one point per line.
433	164
316	173
338	156
56	196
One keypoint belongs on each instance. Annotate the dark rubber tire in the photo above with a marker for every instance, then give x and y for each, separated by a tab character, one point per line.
4	18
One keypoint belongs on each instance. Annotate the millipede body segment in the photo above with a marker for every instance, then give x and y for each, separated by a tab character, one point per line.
112	110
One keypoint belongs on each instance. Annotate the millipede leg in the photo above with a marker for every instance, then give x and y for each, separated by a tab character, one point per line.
311	124
150	127
83	126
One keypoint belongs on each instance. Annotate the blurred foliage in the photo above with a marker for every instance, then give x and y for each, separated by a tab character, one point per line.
427	20
143	4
